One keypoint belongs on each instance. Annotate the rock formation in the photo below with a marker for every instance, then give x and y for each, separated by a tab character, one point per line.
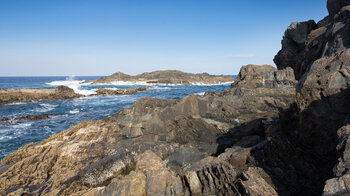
28	95
166	77
262	136
323	108
174	147
106	91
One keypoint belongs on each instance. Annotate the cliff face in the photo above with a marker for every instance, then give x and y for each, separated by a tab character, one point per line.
323	69
166	77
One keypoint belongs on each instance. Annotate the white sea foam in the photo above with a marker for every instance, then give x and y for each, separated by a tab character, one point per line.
160	88
45	107
200	94
18	103
22	125
74	84
2	138
205	84
126	83
74	111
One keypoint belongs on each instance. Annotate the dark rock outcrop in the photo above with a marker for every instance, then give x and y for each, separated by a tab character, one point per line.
166	77
106	91
31	117
334	6
293	47
323	108
28	95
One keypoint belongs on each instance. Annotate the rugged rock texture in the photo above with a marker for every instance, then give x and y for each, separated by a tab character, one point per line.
106	91
323	93
28	95
293	47
166	77
259	137
196	145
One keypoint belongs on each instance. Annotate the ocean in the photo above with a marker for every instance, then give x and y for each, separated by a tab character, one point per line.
15	134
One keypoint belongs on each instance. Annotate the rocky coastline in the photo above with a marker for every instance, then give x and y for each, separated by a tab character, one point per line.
165	77
281	131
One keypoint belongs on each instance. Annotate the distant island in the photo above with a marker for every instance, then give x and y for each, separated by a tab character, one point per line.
166	77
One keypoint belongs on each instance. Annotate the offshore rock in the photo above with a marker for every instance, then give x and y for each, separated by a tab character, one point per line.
105	91
172	147
31	117
29	95
166	77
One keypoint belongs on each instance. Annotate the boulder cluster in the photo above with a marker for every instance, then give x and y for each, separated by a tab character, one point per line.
275	131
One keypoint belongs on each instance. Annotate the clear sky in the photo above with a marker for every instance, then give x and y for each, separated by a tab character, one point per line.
84	37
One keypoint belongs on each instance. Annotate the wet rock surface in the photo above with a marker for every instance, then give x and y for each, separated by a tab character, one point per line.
166	77
29	95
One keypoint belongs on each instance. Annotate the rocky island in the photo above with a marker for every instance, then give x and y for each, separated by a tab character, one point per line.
29	95
281	131
165	77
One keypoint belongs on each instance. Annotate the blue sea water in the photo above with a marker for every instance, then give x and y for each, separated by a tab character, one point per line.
14	134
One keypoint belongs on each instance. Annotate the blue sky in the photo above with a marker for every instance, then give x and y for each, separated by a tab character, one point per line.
83	37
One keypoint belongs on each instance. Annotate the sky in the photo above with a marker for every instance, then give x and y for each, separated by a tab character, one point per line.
100	37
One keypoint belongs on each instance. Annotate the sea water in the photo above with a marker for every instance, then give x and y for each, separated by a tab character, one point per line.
14	134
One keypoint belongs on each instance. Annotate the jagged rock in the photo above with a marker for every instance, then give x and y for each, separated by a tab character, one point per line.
28	95
106	91
334	6
322	100
254	184
166	77
293	47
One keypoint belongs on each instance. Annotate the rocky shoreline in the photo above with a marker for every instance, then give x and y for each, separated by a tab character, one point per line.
268	134
165	77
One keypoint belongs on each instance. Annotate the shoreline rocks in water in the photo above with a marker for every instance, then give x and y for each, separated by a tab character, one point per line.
106	91
165	77
31	117
28	95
